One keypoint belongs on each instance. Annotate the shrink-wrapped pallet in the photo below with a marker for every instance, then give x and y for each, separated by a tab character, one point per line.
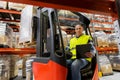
115	61
4	67
29	69
5	34
102	39
24	66
105	65
3	4
16	6
13	66
113	40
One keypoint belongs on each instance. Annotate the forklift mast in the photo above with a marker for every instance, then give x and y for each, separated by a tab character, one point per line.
117	24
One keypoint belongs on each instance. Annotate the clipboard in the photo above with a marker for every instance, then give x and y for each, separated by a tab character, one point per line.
81	50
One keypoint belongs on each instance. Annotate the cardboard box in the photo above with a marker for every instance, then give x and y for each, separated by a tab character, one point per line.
105	65
106	69
115	61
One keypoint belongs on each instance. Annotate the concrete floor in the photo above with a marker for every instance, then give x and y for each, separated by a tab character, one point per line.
115	76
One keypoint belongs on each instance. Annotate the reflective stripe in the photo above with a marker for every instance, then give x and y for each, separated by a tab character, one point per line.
89	59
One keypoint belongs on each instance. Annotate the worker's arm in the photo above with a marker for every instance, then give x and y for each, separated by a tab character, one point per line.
92	51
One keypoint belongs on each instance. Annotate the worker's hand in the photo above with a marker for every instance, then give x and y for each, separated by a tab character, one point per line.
89	54
68	54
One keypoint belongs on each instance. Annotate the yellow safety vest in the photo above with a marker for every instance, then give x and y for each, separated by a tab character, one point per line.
83	39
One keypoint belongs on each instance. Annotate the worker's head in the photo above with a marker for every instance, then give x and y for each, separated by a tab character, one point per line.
78	29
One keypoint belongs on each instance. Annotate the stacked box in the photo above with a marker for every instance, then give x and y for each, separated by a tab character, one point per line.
115	61
106	69
102	42
5	34
15	40
16	6
102	39
2	33
113	40
29	69
19	64
24	66
29	61
9	35
116	66
13	66
25	58
65	41
3	39
105	65
3	70
4	67
3	4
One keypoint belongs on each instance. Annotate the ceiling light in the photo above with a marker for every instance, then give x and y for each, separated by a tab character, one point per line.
109	8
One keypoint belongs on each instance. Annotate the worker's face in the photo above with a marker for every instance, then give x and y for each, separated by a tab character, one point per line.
78	30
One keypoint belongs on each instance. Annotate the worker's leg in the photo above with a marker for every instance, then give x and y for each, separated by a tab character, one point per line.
69	62
76	66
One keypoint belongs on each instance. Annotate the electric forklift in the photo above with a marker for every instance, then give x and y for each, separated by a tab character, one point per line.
50	61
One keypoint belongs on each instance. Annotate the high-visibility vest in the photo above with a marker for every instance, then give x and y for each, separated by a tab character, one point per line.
83	39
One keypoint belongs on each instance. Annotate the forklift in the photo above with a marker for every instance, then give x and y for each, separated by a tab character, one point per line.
50	61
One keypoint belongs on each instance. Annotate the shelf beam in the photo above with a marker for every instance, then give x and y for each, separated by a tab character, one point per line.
106	49
7	20
23	51
100	28
10	11
95	21
71	19
17	51
15	27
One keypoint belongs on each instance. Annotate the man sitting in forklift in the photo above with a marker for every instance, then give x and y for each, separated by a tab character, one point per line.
75	64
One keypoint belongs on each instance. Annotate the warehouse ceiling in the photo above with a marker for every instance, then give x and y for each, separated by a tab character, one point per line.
93	6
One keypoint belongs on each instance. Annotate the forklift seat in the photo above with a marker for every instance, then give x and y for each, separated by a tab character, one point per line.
88	71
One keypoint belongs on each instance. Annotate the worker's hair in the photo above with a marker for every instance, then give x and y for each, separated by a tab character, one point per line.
81	24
